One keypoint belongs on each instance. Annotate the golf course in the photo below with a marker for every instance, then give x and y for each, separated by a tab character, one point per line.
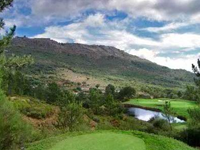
180	107
109	140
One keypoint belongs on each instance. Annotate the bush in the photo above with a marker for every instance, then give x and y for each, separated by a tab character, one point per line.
160	124
126	93
191	136
70	116
32	108
14	131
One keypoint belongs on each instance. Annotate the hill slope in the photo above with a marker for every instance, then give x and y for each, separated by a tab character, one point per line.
98	60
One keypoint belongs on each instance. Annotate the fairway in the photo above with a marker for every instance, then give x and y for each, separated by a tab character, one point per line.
180	107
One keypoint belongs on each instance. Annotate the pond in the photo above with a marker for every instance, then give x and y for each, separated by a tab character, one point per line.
146	115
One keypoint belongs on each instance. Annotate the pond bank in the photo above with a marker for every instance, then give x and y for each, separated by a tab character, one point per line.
128	106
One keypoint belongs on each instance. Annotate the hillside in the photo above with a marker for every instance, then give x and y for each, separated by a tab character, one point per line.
106	63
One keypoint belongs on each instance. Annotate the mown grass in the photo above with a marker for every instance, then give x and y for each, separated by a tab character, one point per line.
109	140
180	107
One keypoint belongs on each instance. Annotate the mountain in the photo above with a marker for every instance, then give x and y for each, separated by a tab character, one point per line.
102	61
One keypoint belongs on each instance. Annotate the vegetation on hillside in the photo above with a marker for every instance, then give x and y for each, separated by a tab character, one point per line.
99	61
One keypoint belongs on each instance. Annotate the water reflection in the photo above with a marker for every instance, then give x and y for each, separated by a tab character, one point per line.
146	115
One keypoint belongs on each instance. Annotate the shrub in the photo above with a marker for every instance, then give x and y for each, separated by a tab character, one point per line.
160	124
14	131
191	136
126	93
70	116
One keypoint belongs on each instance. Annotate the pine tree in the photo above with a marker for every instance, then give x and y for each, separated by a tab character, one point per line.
9	65
13	131
196	71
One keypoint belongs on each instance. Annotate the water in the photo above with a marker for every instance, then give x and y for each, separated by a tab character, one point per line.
146	115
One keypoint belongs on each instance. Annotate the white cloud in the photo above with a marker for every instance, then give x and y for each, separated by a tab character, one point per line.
45	12
176	40
167	28
95	29
144	53
103	32
183	62
152	9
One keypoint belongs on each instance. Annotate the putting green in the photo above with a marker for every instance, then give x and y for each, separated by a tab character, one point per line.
109	140
101	141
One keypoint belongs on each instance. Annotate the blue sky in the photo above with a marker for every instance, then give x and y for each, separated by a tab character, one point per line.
166	32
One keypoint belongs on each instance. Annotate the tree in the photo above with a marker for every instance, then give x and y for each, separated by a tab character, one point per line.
110	89
194	117
109	103
95	100
191	93
97	86
126	93
168	112
13	131
192	134
70	115
13	65
113	107
54	93
196	71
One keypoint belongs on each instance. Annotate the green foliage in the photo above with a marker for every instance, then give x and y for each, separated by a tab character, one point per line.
160	124
54	93
191	136
32	108
191	93
4	4
157	92
113	107
71	114
14	131
197	80
194	117
95	100
110	89
168	112
126	93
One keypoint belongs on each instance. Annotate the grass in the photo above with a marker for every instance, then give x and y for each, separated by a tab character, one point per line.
109	140
180	107
180	126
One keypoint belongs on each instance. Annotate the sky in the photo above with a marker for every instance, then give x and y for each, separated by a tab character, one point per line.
166	32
